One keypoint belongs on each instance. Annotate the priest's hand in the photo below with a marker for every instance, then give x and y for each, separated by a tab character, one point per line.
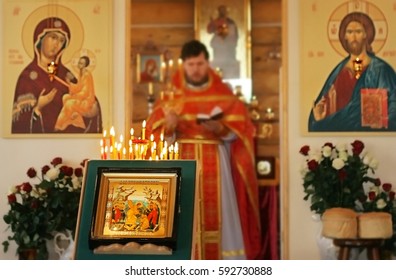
171	121
216	127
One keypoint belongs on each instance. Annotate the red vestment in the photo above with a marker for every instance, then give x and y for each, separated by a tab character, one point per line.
197	143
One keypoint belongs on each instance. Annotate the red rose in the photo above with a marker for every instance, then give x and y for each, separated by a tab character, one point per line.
27	187
11	198
387	187
329	144
342	174
304	150
377	182
371	195
31	172
66	170
391	195
313	165
357	147
83	162
34	204
45	169
69	171
78	172
362	198
56	161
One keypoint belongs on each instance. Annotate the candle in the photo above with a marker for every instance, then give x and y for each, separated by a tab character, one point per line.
130	152
153	150
163	69
104	137
101	149
101	153
131	133
171	152
165	150
180	62
141	154
144	130
161	143
121	140
124	153
176	150
112	135
119	151
136	151
115	146
105	152
150	88
111	152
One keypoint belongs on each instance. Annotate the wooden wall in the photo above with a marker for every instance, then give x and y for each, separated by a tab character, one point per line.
266	61
167	24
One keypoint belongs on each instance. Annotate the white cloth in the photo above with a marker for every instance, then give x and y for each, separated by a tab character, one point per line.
232	238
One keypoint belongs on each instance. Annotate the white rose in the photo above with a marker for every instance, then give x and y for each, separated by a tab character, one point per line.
77	184
52	174
310	188
341	147
34	193
338	163
367	159
343	155
326	151
13	190
380	203
374	164
374	189
317	157
42	191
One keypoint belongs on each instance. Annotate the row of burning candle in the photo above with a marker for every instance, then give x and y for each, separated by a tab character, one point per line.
137	148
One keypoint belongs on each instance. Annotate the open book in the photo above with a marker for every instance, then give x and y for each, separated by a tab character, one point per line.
215	114
374	106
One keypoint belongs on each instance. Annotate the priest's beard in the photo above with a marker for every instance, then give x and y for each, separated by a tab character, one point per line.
198	83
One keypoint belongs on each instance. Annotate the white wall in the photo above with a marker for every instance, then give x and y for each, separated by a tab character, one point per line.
303	229
17	155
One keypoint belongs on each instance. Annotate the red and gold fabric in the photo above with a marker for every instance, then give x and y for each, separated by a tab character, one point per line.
197	143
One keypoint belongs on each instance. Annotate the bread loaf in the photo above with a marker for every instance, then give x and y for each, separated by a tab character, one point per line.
375	225
340	223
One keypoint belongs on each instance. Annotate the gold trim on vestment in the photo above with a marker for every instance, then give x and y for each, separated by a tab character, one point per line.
252	199
199	141
233	253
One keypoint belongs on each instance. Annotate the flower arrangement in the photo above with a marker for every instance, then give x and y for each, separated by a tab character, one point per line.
39	210
338	176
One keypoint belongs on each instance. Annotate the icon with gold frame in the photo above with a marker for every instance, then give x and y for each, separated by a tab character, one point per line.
135	205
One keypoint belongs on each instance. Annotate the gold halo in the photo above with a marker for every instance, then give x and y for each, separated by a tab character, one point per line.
71	19
82	52
362	6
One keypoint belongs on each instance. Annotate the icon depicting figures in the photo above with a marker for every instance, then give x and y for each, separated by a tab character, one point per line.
339	104
224	43
38	98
